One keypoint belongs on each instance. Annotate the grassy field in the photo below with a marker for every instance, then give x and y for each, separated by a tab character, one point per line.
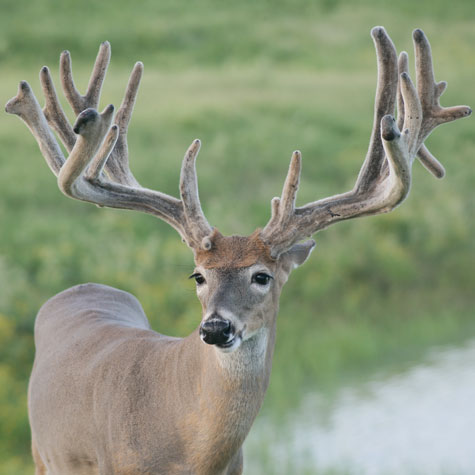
253	81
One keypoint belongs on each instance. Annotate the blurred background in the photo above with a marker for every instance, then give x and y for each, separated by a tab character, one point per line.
374	365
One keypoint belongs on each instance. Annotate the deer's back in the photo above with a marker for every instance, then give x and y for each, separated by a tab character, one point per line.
86	307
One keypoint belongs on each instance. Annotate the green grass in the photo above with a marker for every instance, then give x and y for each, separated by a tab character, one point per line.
254	81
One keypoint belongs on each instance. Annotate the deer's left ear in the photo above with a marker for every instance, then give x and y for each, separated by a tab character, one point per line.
297	255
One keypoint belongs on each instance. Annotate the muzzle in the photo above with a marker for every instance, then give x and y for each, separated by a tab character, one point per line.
216	331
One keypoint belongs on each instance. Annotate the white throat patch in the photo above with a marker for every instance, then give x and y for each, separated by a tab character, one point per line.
249	357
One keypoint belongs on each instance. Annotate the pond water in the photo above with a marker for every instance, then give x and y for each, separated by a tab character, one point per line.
421	421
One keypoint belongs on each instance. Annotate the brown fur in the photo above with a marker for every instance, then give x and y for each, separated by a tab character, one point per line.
234	251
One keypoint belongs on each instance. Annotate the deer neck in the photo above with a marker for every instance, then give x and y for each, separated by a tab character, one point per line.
230	389
242	375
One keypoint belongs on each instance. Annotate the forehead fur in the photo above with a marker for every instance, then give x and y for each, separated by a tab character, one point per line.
234	251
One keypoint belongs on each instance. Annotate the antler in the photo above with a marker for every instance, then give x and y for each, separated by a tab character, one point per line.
97	169
385	177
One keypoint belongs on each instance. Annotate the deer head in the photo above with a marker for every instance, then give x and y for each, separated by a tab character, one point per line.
239	279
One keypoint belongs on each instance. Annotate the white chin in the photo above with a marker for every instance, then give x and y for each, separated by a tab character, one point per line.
233	345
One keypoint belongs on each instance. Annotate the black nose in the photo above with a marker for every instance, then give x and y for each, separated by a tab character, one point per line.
216	331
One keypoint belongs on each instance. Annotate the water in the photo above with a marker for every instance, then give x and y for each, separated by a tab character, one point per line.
421	421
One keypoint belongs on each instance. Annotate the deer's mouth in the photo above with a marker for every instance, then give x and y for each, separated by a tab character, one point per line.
233	343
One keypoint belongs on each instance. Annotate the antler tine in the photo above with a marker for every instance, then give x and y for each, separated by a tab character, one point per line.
124	113
118	164
403	67
283	208
412	115
94	171
384	104
25	105
197	225
96	80
291	185
385	177
54	112
430	162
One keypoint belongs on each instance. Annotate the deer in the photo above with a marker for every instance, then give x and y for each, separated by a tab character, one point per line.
109	395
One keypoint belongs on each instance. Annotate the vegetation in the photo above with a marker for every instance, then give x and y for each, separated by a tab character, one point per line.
254	81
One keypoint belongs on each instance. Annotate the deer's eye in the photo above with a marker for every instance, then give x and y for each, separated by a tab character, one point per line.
261	278
199	279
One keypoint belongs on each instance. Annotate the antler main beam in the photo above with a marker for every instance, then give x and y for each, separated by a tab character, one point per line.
97	169
385	177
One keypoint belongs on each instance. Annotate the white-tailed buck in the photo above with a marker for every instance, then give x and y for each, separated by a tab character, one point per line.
109	395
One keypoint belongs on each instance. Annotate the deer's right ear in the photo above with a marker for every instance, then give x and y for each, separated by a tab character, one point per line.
297	255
